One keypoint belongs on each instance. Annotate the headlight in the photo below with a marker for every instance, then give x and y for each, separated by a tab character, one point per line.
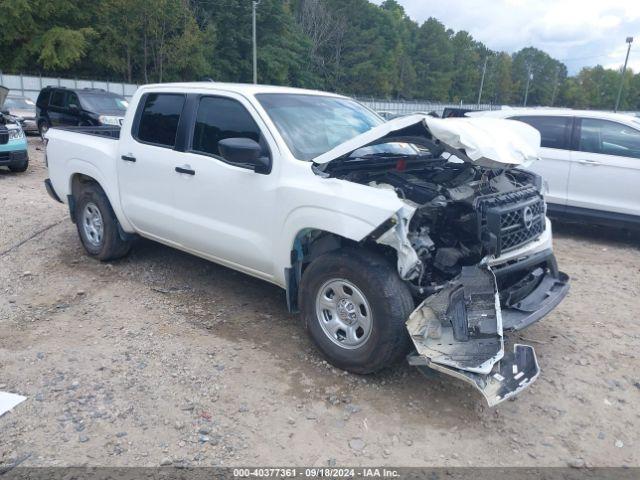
16	133
109	120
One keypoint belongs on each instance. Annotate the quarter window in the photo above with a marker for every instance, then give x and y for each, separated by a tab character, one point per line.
159	119
608	138
555	132
219	118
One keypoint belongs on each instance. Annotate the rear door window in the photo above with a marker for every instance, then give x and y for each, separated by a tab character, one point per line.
159	119
57	98
608	138
555	132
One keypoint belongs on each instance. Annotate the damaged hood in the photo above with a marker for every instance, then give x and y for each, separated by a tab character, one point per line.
488	142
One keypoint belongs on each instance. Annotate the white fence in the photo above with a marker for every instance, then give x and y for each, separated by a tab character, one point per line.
29	86
404	107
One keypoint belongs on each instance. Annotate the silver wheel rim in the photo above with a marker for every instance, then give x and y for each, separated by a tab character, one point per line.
92	224
344	313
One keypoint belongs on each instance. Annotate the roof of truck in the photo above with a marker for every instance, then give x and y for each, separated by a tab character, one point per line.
241	88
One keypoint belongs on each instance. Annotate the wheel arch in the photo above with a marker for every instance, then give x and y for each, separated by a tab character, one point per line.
85	173
307	245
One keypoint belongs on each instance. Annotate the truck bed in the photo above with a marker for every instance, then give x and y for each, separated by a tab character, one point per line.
108	131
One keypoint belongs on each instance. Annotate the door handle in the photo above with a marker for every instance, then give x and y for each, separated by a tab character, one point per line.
127	158
589	162
188	171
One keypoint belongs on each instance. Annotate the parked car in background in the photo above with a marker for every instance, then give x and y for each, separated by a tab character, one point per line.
384	235
590	161
60	106
13	144
24	109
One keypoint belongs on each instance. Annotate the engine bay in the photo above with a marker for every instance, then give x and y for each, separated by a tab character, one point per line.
463	212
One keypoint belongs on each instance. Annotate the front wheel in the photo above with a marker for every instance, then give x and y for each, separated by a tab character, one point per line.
97	224
19	167
355	306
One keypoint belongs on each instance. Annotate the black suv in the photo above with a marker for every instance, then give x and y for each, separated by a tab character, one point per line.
60	106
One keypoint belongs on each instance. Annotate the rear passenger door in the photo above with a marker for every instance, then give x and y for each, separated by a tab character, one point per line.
555	156
605	170
56	108
146	167
72	109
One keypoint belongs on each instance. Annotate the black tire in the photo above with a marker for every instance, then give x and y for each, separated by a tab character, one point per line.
43	127
389	299
19	167
110	245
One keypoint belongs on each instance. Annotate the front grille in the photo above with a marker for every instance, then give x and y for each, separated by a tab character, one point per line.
509	220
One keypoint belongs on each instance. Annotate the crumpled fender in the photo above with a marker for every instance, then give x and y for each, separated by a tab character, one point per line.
408	262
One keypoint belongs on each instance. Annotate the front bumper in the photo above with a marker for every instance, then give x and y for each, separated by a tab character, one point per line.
16	157
459	330
539	288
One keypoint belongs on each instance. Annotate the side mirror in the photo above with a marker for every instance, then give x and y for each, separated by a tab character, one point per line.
74	108
245	150
5	112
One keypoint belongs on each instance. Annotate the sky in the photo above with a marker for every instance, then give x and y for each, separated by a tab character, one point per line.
577	32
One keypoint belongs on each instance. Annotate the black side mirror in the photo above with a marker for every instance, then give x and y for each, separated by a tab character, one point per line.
245	150
74	108
5	112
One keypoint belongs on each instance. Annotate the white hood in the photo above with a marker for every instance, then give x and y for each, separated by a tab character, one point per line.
488	142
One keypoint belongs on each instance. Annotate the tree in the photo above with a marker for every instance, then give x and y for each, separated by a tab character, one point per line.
433	59
350	46
547	75
468	56
38	34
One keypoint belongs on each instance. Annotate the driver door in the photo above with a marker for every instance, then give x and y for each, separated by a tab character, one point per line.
227	208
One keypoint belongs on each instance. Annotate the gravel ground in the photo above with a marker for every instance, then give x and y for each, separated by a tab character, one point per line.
164	358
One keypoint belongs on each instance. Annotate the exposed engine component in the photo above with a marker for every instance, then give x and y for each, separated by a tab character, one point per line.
462	213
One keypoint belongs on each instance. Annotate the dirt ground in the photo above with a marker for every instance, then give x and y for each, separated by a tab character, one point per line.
164	358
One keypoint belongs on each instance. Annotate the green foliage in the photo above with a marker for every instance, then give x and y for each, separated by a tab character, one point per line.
61	48
350	46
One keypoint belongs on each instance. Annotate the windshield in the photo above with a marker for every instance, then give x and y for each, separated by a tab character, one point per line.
312	125
103	103
19	103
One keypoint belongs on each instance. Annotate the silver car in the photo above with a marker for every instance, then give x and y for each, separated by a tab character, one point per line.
24	109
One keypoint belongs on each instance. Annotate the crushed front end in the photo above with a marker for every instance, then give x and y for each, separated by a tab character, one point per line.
472	243
490	269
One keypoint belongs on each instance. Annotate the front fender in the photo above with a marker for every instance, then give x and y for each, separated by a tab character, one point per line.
343	224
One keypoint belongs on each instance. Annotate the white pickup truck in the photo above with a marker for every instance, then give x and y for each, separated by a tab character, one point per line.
416	237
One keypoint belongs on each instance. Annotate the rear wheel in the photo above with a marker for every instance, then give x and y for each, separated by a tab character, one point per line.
97	224
355	306
43	127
